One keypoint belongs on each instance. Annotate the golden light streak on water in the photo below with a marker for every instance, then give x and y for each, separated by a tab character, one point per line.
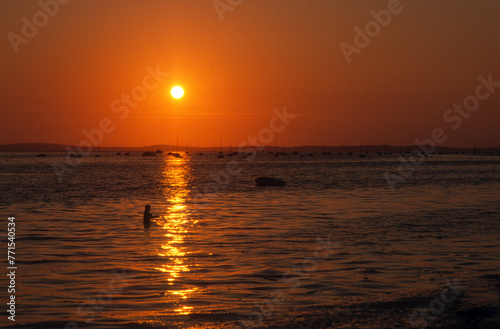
176	224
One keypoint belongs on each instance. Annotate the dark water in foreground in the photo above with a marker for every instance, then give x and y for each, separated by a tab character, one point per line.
334	248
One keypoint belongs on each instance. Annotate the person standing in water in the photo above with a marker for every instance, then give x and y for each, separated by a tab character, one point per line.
148	215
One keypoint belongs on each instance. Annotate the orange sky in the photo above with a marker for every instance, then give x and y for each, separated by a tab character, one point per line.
265	54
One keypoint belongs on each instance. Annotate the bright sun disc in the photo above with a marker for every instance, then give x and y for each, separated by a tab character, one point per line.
177	92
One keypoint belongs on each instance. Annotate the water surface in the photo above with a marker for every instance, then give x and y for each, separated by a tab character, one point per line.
333	248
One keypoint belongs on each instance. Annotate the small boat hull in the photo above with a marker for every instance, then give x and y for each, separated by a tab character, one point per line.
269	181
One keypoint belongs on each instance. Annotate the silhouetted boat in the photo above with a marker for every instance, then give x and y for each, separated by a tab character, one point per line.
77	154
149	154
269	181
41	155
361	155
98	155
118	153
127	153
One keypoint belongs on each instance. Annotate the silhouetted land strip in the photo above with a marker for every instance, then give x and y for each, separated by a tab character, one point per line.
47	147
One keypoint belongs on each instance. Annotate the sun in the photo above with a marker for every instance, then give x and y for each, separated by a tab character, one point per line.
177	92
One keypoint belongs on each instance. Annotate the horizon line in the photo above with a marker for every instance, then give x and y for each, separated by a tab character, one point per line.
216	148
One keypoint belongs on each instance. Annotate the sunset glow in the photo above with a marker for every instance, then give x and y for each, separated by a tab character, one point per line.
388	85
250	164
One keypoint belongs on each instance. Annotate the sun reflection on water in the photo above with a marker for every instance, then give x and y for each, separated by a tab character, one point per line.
176	225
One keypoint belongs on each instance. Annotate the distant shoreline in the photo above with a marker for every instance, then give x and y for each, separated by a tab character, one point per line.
47	147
